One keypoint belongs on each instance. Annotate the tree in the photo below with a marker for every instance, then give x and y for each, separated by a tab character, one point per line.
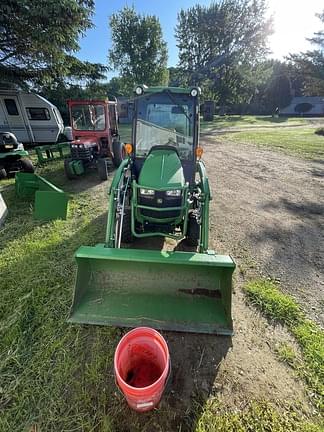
38	37
221	45
60	91
308	67
278	92
138	51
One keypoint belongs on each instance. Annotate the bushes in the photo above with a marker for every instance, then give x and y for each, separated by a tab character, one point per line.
319	131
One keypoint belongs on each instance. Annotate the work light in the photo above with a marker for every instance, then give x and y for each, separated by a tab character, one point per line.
139	90
195	91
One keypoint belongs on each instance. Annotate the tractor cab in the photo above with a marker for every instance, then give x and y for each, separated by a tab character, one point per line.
95	136
166	118
164	159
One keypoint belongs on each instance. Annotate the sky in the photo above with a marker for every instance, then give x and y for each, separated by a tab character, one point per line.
294	20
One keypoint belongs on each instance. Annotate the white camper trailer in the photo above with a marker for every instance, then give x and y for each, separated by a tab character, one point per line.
30	117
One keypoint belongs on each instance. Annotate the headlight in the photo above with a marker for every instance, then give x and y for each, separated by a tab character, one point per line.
147	192
173	193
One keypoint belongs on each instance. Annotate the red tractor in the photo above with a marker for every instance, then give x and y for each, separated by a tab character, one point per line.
95	137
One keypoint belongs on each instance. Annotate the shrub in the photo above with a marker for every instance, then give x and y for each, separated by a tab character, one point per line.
320	131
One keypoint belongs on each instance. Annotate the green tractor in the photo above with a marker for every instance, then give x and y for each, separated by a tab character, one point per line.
161	190
13	156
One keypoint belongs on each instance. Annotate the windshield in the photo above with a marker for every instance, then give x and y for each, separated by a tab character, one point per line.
163	121
88	117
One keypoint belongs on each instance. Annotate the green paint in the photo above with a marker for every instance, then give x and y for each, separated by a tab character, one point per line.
20	153
77	167
166	290
52	152
50	201
162	169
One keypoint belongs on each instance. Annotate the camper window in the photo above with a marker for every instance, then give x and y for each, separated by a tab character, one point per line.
11	107
38	113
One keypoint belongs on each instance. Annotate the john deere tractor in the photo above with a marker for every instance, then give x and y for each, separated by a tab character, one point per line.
161	189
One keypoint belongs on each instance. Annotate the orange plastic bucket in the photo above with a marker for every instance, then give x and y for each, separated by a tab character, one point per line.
142	366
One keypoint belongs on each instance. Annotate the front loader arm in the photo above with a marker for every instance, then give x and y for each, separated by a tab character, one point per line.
113	202
205	198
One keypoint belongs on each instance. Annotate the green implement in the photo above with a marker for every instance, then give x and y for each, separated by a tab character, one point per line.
160	190
50	201
178	291
53	152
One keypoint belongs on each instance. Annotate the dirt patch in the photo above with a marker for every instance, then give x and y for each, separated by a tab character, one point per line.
269	207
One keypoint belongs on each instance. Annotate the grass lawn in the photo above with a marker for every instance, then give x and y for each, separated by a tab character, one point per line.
299	141
221	122
283	308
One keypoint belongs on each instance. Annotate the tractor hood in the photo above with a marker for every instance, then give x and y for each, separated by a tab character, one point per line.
162	169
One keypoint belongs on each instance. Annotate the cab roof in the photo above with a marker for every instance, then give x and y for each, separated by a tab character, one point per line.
161	89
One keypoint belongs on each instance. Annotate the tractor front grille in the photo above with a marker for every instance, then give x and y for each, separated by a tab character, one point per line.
160	200
81	152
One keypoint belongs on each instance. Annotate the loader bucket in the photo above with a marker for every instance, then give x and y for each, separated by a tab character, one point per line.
50	201
179	291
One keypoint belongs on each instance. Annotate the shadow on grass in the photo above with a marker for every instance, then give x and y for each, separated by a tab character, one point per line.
55	174
64	379
270	119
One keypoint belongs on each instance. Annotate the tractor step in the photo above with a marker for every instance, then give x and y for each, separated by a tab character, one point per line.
180	291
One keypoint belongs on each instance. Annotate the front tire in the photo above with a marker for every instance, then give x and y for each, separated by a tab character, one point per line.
119	153
193	231
26	165
102	169
127	236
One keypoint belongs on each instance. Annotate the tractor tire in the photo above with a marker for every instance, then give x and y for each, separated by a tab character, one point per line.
193	232
67	170
102	169
26	165
127	236
3	173
119	153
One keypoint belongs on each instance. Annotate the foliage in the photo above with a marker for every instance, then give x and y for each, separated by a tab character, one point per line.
319	131
278	93
59	92
176	78
308	67
221	46
138	51
283	308
37	40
